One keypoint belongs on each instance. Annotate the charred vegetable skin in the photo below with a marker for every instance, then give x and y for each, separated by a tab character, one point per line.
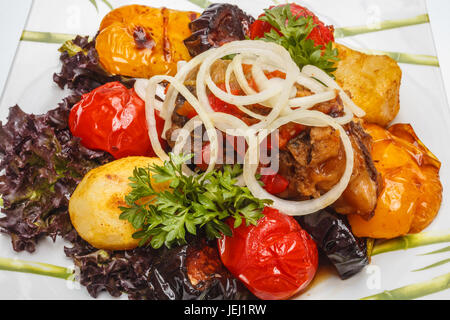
219	23
334	237
41	164
188	272
141	41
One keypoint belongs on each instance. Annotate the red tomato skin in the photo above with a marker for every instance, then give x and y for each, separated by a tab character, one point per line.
275	259
112	118
221	106
216	104
274	183
321	34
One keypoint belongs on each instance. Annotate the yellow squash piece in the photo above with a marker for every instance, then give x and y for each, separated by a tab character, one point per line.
373	82
94	206
140	41
412	192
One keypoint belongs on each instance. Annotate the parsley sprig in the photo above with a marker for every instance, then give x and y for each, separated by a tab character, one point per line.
294	32
193	202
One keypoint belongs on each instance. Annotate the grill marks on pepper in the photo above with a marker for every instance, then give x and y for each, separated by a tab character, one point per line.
166	43
142	39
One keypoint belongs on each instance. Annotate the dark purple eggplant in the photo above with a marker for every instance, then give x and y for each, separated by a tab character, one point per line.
218	24
333	236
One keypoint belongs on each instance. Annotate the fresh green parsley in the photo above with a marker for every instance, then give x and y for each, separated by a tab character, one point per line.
294	32
193	202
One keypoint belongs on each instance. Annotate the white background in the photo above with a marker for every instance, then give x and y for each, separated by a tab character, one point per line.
439	11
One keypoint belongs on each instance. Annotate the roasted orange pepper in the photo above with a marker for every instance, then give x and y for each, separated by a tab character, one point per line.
140	41
412	192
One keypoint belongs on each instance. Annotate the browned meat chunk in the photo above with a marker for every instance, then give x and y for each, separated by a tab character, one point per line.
315	161
361	194
318	162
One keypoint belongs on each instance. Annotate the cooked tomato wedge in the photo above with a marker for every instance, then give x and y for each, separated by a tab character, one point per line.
112	118
275	259
274	183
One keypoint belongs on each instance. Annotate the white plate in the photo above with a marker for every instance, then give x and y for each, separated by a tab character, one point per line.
423	104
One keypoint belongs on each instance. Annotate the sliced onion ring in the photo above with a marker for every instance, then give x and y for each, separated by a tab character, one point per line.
150	98
319	74
306	117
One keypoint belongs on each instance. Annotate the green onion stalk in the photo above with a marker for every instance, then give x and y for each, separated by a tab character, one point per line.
40	268
414	291
446	249
383	25
436	264
46	37
419	59
411	241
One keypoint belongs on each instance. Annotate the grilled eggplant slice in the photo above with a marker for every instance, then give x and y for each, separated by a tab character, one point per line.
335	239
219	23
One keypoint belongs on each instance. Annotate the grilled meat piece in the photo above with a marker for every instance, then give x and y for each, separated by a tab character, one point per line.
319	161
314	162
361	194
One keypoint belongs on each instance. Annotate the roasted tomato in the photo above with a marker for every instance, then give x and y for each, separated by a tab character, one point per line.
140	41
275	259
112	118
412	192
274	183
321	34
216	104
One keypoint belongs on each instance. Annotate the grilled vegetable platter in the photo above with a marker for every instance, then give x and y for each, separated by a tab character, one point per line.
213	154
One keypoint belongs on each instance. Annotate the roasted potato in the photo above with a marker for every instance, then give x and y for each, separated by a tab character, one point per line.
412	192
140	41
373	82
94	206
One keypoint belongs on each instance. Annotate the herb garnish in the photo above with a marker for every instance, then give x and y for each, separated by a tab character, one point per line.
193	202
71	48
294	32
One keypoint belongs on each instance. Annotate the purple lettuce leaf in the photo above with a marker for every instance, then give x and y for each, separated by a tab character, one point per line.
81	70
41	163
145	273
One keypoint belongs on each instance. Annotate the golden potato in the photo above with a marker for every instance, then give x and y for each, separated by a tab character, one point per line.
94	206
373	82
